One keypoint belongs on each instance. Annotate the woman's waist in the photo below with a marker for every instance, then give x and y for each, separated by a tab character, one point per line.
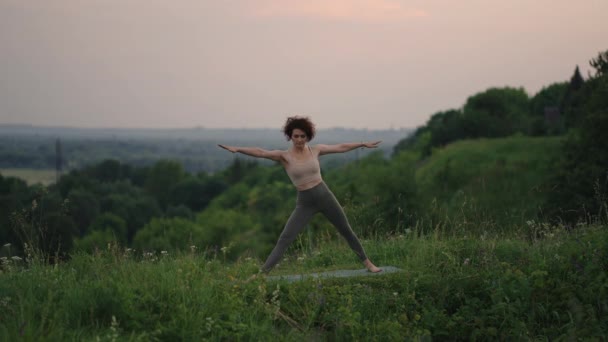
309	185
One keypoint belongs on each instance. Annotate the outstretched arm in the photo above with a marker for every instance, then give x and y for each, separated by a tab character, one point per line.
345	147
257	152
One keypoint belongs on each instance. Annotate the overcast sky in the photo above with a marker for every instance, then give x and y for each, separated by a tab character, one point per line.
250	63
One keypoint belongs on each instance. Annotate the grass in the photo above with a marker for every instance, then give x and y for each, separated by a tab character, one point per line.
550	285
31	176
504	178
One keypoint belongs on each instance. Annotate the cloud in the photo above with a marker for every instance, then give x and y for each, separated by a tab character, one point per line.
358	10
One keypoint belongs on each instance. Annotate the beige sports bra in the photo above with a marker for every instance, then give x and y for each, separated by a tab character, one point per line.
304	173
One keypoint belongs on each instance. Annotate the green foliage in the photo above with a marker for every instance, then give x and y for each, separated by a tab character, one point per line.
496	112
580	187
458	288
195	193
95	240
231	231
14	193
109	171
56	234
179	211
489	184
600	64
574	99
162	177
169	234
378	195
110	222
83	207
548	97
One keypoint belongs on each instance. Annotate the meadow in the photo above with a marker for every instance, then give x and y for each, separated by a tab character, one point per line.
31	176
541	282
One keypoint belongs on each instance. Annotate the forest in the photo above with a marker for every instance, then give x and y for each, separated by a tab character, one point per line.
512	170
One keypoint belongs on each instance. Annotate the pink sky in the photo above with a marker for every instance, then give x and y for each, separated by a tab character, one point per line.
250	63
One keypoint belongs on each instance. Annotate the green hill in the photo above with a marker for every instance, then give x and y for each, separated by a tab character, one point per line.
500	181
493	185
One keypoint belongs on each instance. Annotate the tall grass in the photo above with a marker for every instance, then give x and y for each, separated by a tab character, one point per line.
452	287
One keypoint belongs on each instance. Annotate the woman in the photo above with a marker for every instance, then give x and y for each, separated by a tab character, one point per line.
302	166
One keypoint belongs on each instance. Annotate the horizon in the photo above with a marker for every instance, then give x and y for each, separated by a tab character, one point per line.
27	125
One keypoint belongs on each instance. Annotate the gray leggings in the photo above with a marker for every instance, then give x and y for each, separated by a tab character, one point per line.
309	202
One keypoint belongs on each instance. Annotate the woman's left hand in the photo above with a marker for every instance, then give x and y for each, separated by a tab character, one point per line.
373	144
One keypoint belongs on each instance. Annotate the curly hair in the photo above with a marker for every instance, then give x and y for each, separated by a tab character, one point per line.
299	122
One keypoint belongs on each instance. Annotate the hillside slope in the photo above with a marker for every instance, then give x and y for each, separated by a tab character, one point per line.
502	180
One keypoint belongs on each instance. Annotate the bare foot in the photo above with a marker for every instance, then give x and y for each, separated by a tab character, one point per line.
371	267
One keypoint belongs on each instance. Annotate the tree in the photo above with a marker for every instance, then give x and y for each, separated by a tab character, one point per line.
163	176
83	207
448	128
497	112
600	64
580	185
572	100
548	97
113	223
95	240
110	171
14	194
195	193
58	159
233	229
56	235
135	210
238	170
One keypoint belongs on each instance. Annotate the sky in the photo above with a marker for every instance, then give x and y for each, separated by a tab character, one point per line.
375	64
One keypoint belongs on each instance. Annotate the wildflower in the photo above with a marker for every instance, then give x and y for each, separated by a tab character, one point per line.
300	258
7	245
395	294
34	204
164	252
224	249
16	258
466	261
192	248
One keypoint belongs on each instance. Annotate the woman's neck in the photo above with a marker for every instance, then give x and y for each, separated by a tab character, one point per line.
297	149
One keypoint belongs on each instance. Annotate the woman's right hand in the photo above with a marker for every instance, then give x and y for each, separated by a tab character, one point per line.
229	148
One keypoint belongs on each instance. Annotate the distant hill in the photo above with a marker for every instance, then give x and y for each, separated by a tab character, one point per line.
338	134
26	146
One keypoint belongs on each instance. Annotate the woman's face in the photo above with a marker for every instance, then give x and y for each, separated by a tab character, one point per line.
298	137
